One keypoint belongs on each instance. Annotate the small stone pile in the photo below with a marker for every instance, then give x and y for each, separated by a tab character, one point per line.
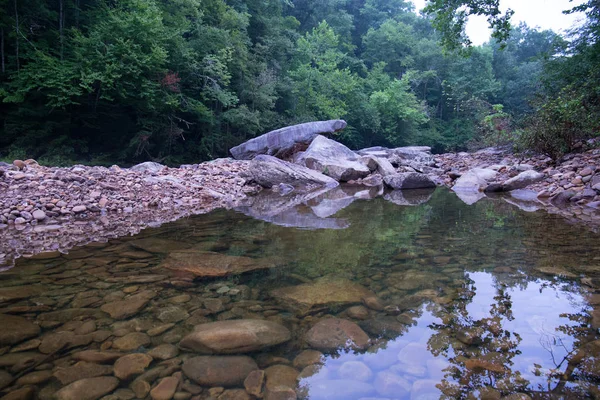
80	204
569	187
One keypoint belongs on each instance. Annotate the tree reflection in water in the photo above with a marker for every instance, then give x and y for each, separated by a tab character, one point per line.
489	358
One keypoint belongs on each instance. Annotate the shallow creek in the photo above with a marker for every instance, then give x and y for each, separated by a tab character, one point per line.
415	296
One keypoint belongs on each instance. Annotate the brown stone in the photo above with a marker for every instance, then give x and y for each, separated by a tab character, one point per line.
94	356
26	393
16	329
235	336
131	341
308	357
81	370
141	388
131	364
335	334
281	375
34	378
129	306
254	382
166	388
234	394
224	371
212	264
88	389
325	293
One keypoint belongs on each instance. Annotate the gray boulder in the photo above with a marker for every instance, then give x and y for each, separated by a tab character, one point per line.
333	159
414	156
283	142
523	180
148	166
408	180
474	180
269	171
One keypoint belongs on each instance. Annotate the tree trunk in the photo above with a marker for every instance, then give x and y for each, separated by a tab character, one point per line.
61	26
17	36
2	48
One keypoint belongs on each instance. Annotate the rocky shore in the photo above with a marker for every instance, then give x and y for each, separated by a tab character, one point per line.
46	209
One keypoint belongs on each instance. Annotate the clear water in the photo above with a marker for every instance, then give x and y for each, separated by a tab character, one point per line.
483	301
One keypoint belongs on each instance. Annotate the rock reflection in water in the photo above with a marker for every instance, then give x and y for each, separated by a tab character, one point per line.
408	302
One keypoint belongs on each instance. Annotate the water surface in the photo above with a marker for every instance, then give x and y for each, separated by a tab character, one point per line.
473	301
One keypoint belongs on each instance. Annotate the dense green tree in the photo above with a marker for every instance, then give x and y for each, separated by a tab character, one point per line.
102	81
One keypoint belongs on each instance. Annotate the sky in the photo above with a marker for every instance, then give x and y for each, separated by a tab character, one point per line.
545	14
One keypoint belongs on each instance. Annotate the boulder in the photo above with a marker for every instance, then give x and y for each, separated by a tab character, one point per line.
16	329
269	171
333	334
408	180
148	166
474	180
212	264
224	371
416	157
324	293
333	159
235	336
285	141
523	180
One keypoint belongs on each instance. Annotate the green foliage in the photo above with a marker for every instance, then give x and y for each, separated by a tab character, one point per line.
183	81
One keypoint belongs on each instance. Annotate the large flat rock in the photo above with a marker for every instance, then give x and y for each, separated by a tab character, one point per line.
285	141
333	159
212	264
237	336
269	171
321	294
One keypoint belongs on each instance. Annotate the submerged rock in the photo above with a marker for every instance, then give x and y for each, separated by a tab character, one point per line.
16	329
333	159
333	334
224	371
88	389
129	306
212	264
237	336
322	294
285	141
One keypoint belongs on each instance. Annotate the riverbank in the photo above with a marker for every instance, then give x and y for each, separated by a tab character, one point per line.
49	209
46	209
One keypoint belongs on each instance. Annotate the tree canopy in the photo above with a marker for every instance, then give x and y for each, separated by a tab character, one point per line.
103	81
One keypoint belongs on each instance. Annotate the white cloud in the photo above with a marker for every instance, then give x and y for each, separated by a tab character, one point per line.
544	14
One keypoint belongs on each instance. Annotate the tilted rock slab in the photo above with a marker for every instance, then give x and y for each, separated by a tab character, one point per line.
333	159
282	142
269	171
235	336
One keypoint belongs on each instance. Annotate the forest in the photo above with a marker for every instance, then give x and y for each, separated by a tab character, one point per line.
179	81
